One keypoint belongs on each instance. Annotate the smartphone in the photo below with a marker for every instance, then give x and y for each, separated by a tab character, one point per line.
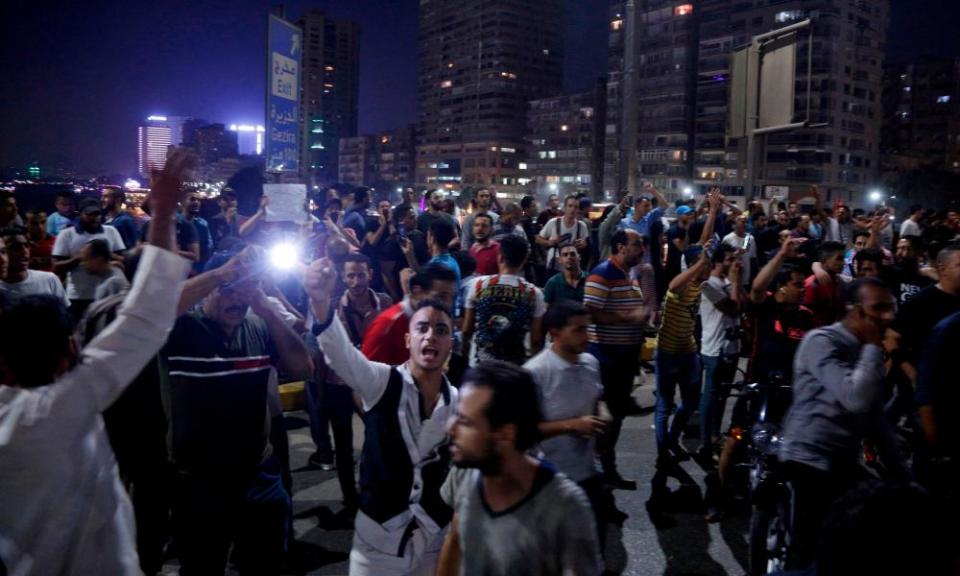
402	231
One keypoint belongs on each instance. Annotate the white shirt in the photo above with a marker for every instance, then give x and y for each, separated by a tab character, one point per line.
423	438
36	282
909	228
62	507
749	254
715	323
556	228
568	391
68	244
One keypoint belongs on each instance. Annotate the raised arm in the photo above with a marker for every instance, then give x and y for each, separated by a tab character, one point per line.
682	279
758	290
114	358
715	201
368	378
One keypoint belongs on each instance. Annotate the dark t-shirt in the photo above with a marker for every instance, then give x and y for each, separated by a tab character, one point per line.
215	391
917	317
557	289
905	282
777	332
427	218
186	233
937	381
674	256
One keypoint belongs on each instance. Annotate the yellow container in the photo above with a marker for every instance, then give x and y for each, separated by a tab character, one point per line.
292	396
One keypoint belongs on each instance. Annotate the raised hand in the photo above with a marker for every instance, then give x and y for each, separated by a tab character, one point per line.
319	283
165	185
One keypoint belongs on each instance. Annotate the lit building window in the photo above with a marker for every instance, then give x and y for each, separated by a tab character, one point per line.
446	84
616	24
522	165
943	99
564	128
683	10
906	88
788	15
384	139
328	68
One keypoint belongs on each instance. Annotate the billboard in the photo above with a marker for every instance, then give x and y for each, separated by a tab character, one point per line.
283	96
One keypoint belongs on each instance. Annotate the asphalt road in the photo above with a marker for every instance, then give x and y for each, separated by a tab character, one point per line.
672	541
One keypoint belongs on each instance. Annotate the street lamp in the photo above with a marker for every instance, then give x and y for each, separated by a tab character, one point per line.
875	196
553	186
688	191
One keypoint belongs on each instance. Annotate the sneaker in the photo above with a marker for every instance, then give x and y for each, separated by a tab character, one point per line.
679	453
322	460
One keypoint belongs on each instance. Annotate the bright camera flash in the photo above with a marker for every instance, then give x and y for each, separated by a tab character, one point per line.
284	256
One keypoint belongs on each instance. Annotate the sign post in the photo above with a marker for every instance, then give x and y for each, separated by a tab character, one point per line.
284	50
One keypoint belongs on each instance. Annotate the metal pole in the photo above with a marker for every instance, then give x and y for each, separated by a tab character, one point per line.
753	93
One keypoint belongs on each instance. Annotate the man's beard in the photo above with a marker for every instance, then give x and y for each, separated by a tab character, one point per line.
488	464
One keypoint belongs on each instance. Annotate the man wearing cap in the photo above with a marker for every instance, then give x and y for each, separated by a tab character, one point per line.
678	240
68	250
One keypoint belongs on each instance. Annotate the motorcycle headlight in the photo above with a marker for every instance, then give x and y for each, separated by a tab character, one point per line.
766	439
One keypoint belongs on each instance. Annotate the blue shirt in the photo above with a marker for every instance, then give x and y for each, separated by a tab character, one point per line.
447	260
57	222
642	226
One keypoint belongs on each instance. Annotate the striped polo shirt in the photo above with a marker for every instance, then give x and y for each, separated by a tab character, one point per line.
609	288
677	330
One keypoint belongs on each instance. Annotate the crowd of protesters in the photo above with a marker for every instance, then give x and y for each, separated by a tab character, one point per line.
492	354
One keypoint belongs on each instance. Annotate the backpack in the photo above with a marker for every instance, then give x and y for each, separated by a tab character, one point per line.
552	262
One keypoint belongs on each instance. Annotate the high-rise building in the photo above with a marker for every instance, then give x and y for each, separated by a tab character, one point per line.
565	143
671	86
356	163
920	105
480	63
249	138
383	161
329	96
153	141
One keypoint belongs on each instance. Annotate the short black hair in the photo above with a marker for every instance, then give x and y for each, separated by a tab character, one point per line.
853	291
829	248
34	337
331	202
720	254
784	275
915	208
9	231
65	194
515	399
483	215
433	272
466	262
400	212
573	196
619	237
356	258
228	195
360	195
916	242
6	195
435	304
860	233
514	250
442	231
559	313
527	201
100	248
868	255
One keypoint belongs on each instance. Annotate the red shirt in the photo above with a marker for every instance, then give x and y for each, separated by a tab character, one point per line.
486	257
826	301
41	254
385	340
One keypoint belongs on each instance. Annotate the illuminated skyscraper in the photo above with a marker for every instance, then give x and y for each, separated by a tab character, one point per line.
481	62
153	140
249	138
329	95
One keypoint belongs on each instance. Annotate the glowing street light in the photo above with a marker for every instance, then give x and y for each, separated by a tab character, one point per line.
875	195
688	191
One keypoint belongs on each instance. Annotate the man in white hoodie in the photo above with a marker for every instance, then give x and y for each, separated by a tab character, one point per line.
62	507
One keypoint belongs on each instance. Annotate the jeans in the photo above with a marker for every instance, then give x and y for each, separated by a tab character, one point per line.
212	511
618	367
674	370
719	370
814	491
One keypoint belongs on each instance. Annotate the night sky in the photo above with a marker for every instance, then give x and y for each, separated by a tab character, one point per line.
78	77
